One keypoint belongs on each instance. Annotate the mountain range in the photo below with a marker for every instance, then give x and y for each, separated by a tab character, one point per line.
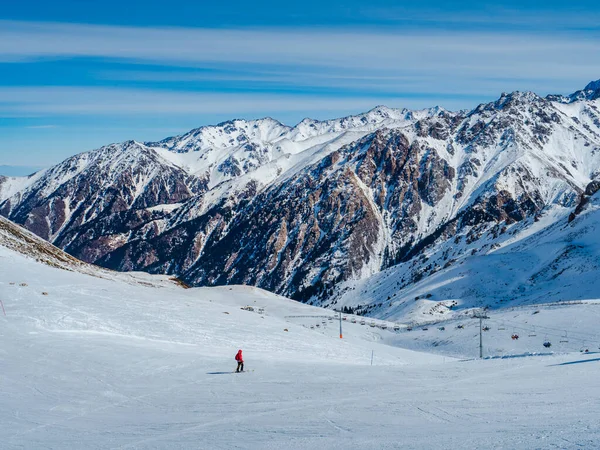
323	210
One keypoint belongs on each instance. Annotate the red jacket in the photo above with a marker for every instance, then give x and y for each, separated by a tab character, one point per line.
239	356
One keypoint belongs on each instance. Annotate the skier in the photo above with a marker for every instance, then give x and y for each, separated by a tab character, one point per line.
240	360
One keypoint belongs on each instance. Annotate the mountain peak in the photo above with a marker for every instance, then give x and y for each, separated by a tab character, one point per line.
382	109
507	100
593	86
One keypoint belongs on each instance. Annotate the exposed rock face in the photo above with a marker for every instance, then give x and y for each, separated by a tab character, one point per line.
590	190
299	210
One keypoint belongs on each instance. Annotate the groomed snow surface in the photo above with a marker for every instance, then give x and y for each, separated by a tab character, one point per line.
90	362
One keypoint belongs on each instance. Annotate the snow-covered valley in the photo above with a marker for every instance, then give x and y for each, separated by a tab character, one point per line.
98	359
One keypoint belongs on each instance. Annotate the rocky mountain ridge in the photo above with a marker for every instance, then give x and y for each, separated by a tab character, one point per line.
302	210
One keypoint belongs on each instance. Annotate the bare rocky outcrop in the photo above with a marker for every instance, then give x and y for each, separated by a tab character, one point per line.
590	190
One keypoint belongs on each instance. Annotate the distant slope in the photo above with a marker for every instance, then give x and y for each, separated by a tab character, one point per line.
28	244
548	259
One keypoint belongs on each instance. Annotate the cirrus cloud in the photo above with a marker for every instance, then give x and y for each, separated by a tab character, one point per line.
468	54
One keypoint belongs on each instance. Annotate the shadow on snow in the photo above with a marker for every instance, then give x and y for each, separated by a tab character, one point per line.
581	361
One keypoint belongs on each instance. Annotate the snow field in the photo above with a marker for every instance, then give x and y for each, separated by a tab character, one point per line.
135	362
103	392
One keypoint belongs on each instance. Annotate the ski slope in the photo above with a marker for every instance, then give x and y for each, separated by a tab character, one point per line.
122	361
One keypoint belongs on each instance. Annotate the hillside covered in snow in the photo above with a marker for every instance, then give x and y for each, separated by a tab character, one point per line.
553	257
310	211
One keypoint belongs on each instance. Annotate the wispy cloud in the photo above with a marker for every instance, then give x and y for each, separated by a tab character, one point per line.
429	51
545	17
424	85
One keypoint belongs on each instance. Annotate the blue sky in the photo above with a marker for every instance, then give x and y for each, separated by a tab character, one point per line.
75	75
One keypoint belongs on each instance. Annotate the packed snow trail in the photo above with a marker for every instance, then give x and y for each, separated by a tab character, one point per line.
114	394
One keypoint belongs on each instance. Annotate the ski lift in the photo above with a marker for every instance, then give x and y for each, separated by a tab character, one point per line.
532	333
564	338
547	343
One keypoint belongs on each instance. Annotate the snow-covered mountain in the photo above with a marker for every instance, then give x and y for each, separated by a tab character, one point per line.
552	257
306	211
